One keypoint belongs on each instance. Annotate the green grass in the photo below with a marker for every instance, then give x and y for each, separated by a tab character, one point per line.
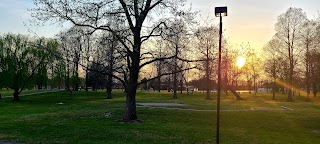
87	117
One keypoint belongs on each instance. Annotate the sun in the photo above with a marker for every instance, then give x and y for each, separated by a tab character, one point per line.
240	62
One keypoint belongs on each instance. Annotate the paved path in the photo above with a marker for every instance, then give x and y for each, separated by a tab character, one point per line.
49	91
166	106
160	104
9	142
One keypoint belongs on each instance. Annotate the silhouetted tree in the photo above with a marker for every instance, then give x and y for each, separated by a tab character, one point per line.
207	39
308	41
21	58
103	15
288	29
273	63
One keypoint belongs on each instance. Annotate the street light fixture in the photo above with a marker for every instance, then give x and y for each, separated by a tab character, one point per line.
219	12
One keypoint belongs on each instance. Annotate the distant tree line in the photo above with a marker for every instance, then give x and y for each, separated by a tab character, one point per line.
292	55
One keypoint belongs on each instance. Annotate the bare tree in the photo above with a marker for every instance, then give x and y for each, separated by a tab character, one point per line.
308	41
207	40
253	67
103	15
272	65
176	37
288	29
108	58
72	47
314	60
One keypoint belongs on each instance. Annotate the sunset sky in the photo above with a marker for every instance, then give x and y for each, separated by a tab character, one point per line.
248	21
253	20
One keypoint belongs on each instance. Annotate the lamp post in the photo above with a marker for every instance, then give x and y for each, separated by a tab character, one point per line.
219	12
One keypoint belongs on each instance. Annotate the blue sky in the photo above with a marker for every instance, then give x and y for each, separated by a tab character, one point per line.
15	18
248	21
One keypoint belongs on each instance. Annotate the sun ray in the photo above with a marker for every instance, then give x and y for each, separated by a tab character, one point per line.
288	86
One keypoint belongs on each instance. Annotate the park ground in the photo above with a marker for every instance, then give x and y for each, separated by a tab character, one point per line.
87	117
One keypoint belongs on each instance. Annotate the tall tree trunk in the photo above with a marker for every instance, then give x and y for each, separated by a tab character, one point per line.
130	113
131	88
273	93
109	87
226	82
307	70
274	89
175	75
125	90
255	90
249	85
169	84
274	75
207	76
226	74
181	86
67	84
76	85
87	79
16	94
159	78
159	84
175	84
110	69
290	92
314	80
290	71
159	72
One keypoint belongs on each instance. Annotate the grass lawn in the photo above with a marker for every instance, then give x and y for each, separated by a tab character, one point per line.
87	117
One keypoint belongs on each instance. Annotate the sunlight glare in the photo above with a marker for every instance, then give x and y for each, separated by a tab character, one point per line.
241	61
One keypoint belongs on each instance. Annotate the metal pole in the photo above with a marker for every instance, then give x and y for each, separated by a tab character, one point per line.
219	84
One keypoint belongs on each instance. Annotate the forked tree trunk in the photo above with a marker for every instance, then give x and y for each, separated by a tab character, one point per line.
131	86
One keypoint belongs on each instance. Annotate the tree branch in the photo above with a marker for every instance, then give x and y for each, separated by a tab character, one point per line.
164	74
